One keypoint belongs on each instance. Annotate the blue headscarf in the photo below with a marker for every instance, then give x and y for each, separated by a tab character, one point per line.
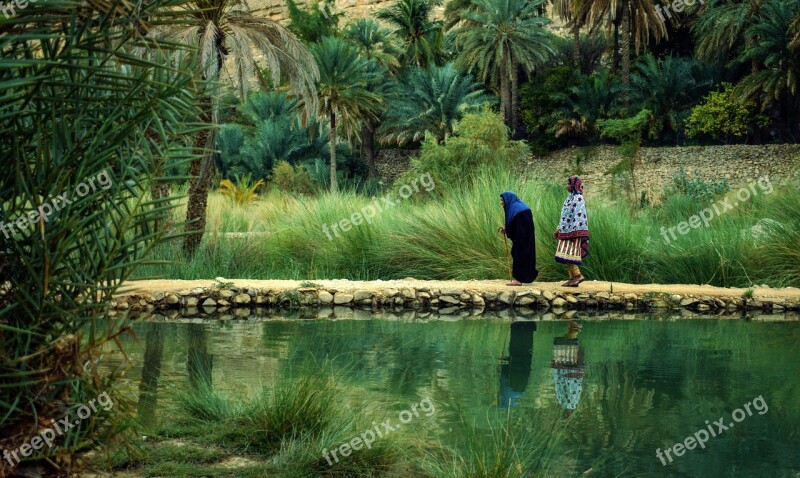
513	206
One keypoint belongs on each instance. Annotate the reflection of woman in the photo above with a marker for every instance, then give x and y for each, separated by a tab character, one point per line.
573	232
568	366
519	228
516	369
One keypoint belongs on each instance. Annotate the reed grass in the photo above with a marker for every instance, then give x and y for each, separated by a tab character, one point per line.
451	234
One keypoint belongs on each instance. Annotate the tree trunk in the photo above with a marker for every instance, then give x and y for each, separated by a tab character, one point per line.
615	55
576	46
368	148
515	123
753	65
505	92
332	141
200	171
159	192
626	50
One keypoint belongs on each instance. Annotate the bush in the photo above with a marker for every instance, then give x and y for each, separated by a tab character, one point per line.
696	188
292	179
480	139
722	116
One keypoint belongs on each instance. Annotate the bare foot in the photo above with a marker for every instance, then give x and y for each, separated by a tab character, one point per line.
515	283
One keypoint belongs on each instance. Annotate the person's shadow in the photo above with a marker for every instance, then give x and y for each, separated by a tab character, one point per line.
515	369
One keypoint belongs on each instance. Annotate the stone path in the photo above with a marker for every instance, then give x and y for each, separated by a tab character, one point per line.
420	294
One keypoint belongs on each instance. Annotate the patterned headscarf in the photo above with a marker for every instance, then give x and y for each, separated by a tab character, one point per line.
576	183
574	222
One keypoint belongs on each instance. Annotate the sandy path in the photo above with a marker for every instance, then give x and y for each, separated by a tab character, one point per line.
761	293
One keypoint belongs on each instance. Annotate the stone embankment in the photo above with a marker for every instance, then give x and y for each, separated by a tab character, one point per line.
442	297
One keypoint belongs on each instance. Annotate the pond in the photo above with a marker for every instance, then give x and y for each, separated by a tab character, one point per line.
617	390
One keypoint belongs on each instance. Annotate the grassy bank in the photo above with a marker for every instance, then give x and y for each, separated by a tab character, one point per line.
453	236
295	429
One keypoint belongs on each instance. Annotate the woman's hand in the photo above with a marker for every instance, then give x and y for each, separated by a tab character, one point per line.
501	230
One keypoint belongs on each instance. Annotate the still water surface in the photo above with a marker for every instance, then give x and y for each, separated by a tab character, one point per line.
619	389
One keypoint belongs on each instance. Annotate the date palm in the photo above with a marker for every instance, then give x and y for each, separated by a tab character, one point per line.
421	36
378	46
497	38
373	42
227	30
343	92
635	21
573	14
431	100
76	109
774	48
722	26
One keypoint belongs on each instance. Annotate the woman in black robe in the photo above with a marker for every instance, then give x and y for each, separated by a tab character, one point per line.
519	228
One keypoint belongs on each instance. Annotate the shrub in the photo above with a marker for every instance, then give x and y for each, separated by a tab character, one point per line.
292	179
480	139
696	188
722	116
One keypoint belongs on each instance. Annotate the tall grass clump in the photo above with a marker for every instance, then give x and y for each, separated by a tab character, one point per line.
288	426
508	449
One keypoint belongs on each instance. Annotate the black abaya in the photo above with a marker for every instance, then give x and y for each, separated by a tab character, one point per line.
523	250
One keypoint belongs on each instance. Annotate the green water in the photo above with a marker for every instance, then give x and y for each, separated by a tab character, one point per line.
626	387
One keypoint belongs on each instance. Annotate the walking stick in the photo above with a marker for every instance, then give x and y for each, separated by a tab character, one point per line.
508	257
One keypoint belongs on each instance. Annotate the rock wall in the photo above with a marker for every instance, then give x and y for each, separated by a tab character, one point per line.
736	163
391	163
278	10
456	300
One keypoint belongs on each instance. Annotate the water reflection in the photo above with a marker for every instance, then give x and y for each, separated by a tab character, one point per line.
645	385
515	368
151	371
568	368
199	361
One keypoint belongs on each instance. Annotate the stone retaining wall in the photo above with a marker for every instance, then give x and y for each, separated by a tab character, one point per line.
736	163
445	301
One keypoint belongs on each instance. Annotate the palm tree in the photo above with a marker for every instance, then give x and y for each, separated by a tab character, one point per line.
721	26
227	29
373	42
776	47
572	13
76	110
422	37
376	44
593	98
343	91
496	39
431	100
668	88
634	21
